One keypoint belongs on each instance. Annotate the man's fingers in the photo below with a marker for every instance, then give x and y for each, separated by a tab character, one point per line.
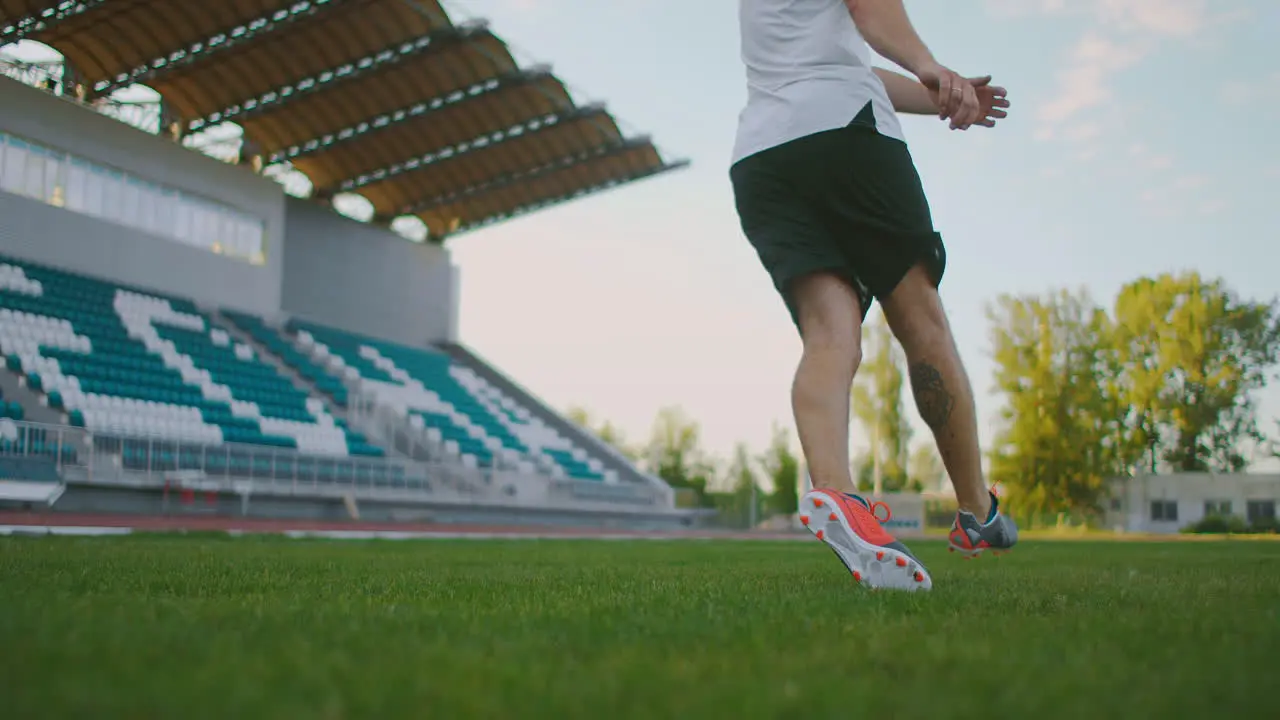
970	110
979	81
959	92
944	95
974	110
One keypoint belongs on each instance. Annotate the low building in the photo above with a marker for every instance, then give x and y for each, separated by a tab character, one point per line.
1168	503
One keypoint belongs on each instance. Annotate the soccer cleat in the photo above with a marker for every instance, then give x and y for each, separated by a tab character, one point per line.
849	526
970	537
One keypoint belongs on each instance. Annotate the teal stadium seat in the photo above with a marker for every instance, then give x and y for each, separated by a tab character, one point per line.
449	402
131	363
285	350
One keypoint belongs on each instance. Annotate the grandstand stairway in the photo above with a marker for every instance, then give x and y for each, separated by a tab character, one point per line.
459	413
608	455
270	353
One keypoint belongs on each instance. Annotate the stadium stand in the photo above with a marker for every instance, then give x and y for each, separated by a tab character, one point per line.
125	362
457	409
117	338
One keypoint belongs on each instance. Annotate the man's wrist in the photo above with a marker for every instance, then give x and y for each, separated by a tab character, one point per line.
918	62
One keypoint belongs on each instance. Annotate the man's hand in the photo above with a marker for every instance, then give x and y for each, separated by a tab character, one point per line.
992	99
954	96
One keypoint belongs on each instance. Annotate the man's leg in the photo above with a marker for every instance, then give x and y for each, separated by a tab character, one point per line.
829	313
945	400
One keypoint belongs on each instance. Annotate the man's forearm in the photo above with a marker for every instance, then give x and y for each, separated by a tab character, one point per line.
888	30
907	94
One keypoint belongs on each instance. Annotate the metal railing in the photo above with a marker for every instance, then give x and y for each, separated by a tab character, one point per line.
75	454
144	115
386	426
35	451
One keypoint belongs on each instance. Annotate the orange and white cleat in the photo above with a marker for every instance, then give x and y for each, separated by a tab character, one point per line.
971	537
849	526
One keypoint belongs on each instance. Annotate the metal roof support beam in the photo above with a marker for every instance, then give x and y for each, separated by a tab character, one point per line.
431	42
44	19
219	42
504	181
527	128
395	117
598	122
561	199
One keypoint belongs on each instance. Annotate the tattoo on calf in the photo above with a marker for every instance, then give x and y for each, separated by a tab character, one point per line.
932	398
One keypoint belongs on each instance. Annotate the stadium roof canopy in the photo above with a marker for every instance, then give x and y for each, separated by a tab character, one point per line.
386	98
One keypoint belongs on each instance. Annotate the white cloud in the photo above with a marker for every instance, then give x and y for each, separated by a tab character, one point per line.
1120	35
1085	85
1170	18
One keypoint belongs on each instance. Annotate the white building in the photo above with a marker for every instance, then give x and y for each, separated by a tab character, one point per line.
1168	503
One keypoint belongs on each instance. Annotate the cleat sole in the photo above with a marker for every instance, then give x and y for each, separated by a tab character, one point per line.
871	566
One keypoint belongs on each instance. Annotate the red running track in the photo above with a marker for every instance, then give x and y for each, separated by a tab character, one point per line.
110	524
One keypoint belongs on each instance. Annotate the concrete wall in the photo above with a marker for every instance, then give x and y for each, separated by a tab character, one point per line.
366	279
1131	499
41	233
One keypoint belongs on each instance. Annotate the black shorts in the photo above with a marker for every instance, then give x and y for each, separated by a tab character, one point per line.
846	201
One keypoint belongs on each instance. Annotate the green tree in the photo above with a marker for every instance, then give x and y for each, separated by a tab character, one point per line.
783	470
741	504
605	430
1191	354
1058	438
675	453
926	469
877	405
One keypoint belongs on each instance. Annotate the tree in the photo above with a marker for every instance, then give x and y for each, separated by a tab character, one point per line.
877	404
926	469
741	504
675	454
1191	354
606	431
1058	440
783	469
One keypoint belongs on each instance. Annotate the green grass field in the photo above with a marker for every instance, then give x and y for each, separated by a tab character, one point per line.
204	627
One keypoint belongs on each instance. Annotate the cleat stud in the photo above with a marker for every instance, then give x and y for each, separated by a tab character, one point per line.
804	520
951	548
902	562
817	503
919	576
832	517
819	534
857	576
880	555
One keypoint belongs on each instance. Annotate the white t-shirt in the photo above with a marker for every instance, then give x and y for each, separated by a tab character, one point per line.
808	71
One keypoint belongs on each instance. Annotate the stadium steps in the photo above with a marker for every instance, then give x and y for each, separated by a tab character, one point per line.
269	356
34	405
240	325
613	460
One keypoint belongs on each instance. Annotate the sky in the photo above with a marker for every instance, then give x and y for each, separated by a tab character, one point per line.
1137	143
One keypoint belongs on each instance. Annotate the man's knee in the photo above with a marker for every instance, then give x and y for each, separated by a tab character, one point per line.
829	313
914	311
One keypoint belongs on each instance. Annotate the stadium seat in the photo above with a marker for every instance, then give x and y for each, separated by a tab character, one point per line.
131	364
448	402
271	339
